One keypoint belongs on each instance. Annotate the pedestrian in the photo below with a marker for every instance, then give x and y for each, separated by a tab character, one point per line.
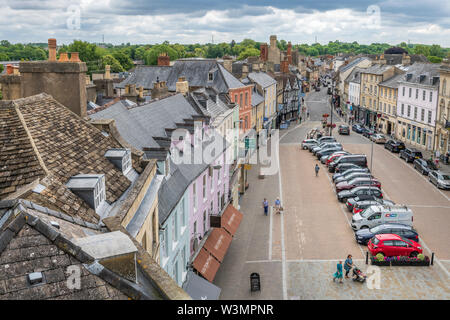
278	205
348	265
338	273
266	206
307	114
317	169
446	157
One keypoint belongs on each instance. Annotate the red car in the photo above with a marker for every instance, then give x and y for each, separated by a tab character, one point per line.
357	182
335	156
391	245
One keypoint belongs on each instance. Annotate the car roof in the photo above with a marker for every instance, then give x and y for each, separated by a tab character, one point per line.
396	225
388	236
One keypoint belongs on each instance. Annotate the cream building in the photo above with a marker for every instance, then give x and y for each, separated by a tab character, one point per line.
387	104
443	114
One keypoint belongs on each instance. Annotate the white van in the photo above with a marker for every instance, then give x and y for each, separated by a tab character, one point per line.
379	214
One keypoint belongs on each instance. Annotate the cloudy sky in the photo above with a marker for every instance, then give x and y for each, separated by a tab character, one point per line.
198	21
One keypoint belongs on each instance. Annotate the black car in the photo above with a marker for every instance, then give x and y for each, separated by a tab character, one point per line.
364	235
359	191
394	146
357	128
410	154
344	129
358	159
348	171
327	151
424	166
341	168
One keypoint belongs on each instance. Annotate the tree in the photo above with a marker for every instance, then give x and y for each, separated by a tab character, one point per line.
151	55
88	52
113	62
1	68
124	60
248	52
434	59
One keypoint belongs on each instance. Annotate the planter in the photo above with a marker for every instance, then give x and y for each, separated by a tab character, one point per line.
424	263
380	263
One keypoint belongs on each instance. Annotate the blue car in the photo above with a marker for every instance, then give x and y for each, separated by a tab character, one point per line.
357	128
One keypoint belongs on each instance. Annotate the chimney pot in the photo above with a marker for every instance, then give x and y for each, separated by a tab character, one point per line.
63	57
107	71
51	49
16	70
74	57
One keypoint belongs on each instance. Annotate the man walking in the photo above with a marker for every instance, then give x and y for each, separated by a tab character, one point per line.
278	205
266	206
317	169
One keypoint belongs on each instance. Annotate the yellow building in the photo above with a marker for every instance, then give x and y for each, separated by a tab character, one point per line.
387	104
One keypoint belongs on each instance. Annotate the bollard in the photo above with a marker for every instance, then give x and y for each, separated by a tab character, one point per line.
367	257
432	258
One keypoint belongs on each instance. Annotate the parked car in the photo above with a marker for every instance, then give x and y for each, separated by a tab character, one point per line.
424	166
390	245
439	179
359	191
344	129
351	202
378	138
357	128
394	146
348	171
368	133
363	204
328	151
363	236
307	142
326	145
376	215
341	168
326	139
358	159
335	155
357	182
409	154
352	175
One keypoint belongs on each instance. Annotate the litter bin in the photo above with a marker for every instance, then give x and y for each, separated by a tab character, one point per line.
255	282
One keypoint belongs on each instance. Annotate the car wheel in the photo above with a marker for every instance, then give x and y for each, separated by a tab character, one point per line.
413	254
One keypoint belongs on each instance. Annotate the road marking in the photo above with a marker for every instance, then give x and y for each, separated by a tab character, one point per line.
320	260
341	206
262	261
270	233
283	252
426	206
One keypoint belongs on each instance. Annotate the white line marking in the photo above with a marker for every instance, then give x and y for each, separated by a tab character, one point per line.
426	206
270	233
283	252
262	261
326	260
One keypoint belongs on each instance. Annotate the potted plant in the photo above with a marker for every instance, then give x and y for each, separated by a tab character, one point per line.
380	260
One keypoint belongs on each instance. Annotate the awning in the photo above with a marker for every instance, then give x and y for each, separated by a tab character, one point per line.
217	243
231	219
206	264
200	289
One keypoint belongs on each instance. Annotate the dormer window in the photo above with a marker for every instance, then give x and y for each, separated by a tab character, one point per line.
121	158
90	188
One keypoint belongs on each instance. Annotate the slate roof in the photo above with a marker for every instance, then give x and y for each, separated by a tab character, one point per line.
67	145
429	70
377	69
392	82
140	124
208	101
354	76
196	73
256	98
145	76
393	59
351	64
262	78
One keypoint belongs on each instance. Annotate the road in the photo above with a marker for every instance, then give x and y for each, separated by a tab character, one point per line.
296	252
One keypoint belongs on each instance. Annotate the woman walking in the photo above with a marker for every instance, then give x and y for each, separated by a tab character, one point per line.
348	265
338	273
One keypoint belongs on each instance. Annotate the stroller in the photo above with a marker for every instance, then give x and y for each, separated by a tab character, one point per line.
358	275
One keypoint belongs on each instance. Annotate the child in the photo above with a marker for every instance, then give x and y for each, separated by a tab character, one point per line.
338	273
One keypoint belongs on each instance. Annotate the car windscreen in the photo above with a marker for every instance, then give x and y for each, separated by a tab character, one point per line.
377	229
375	240
367	212
445	177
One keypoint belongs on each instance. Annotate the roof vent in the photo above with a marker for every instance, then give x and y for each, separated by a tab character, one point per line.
121	158
90	188
35	278
54	224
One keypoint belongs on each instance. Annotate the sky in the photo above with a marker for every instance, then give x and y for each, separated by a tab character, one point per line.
203	21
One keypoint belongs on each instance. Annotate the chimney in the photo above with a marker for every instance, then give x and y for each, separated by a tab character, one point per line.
16	71
74	57
9	69
264	55
107	71
273	41
65	82
163	59
406	60
228	64
182	86
285	66
289	52
127	89
52	50
63	57
88	79
141	93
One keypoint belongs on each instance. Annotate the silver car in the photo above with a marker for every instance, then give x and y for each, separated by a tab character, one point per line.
439	179
308	142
